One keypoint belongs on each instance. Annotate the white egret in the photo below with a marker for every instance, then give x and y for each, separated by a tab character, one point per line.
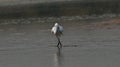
57	30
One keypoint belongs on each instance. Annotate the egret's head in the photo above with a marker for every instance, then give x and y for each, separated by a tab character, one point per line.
56	24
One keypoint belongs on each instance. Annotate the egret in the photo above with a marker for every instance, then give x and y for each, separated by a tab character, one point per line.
57	30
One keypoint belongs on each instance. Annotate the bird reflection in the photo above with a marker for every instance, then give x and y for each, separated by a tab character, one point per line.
58	58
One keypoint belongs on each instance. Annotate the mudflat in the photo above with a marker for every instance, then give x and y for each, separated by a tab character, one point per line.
86	43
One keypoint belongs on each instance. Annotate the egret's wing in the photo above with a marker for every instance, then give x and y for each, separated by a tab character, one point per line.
61	28
54	30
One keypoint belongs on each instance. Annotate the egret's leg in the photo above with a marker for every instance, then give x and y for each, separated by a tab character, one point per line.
59	43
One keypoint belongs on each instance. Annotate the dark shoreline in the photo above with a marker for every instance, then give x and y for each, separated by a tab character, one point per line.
58	9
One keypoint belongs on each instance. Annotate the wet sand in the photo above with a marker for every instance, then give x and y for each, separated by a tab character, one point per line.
86	43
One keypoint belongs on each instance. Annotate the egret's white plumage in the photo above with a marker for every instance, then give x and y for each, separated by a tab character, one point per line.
57	30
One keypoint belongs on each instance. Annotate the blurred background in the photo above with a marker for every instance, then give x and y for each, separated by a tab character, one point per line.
41	8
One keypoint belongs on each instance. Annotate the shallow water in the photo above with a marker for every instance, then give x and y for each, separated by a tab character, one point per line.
32	45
